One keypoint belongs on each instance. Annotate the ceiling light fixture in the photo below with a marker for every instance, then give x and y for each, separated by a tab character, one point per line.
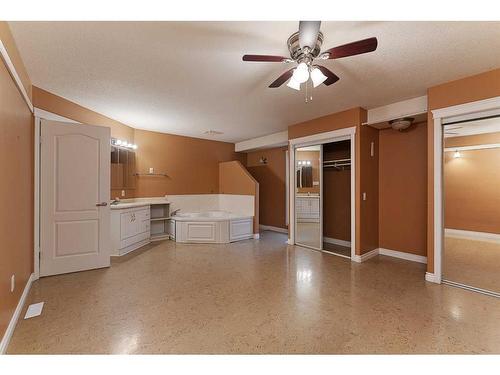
457	154
317	77
301	73
293	84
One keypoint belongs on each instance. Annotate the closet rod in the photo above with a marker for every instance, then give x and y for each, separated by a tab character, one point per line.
337	161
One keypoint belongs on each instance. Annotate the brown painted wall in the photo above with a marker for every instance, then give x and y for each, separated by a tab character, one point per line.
472	140
337	194
339	120
478	87
471	185
234	178
272	184
56	104
368	177
16	195
314	157
403	189
192	164
10	45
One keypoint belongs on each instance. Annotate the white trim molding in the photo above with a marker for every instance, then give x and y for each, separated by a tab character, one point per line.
405	108
402	255
467	111
432	278
272	229
390	253
364	257
321	138
472	235
336	241
13	72
260	143
15	317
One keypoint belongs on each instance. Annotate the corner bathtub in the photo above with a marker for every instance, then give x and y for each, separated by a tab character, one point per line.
212	227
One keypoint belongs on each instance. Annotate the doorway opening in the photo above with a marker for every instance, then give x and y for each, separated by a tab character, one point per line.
337	197
322	205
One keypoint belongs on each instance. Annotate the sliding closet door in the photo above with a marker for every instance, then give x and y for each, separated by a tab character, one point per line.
471	181
308	204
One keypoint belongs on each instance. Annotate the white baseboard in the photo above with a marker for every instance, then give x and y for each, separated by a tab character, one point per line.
256	236
17	312
402	255
336	241
365	256
273	229
471	235
390	253
432	278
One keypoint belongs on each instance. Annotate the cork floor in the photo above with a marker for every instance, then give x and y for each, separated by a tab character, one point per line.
255	296
472	262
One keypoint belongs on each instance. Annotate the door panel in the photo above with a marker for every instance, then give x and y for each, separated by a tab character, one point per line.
74	232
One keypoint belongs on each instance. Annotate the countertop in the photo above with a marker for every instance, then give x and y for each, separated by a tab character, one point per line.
138	202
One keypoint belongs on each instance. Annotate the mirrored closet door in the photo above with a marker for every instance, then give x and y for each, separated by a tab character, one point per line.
471	180
308	204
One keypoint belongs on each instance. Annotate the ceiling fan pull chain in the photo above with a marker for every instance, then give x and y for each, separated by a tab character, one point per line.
306	92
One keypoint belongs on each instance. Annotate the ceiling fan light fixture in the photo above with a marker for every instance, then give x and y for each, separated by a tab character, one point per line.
293	84
301	73
317	77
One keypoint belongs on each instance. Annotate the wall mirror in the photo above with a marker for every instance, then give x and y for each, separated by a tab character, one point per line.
122	168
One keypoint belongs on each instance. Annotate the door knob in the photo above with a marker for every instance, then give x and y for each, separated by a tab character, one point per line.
102	204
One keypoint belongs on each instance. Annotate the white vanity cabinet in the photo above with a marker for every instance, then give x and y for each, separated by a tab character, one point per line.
307	208
130	229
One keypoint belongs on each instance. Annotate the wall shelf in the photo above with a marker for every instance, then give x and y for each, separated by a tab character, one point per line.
150	174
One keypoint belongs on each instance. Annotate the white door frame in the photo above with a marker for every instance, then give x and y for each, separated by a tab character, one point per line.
322	138
442	116
40	114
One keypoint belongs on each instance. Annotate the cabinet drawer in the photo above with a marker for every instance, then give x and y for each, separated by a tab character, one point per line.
134	239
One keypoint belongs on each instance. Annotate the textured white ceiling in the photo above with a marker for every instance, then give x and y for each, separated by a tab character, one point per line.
188	77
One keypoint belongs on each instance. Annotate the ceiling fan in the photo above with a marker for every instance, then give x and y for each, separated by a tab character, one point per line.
305	48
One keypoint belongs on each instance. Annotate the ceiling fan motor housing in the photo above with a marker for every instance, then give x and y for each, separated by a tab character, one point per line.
303	55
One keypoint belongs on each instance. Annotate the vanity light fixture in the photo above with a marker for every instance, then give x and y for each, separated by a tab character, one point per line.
125	144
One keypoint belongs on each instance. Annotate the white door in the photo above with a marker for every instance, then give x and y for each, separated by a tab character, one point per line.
75	186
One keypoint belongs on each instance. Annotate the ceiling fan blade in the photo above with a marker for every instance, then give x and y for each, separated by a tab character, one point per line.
354	48
308	33
282	78
264	58
332	77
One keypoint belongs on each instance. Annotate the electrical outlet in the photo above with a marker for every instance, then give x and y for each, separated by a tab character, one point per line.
12	283
123	193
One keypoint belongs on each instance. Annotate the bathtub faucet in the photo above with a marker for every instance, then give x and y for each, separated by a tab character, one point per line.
174	212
